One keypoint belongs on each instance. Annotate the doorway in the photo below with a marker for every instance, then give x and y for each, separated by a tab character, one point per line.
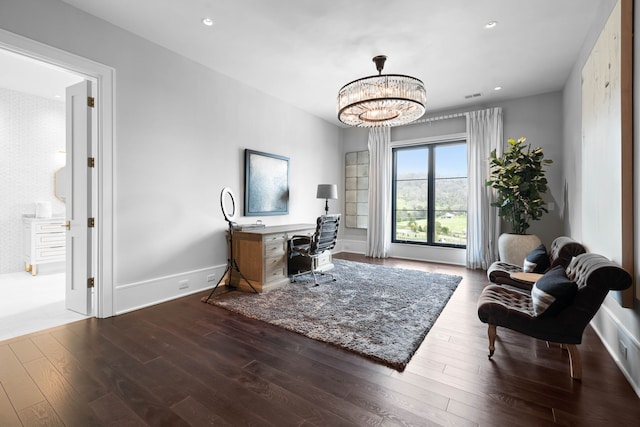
101	258
32	100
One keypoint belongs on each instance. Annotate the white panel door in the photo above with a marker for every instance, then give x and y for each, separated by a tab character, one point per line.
78	201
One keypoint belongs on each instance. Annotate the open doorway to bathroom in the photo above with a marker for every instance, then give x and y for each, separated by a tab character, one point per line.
32	142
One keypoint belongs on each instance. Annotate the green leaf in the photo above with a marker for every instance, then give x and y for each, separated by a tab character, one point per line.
518	177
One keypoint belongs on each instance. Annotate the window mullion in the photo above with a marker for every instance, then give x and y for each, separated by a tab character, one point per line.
431	195
394	193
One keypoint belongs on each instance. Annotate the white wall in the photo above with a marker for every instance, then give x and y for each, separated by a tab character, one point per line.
614	324
538	118
32	132
180	134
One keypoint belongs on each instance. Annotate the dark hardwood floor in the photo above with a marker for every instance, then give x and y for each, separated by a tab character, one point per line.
188	363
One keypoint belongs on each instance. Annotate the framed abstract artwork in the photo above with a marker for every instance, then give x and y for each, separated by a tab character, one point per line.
266	184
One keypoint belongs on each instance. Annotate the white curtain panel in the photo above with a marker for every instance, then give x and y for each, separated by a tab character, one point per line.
379	226
484	129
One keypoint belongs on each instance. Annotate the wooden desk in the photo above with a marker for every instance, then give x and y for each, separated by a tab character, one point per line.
262	255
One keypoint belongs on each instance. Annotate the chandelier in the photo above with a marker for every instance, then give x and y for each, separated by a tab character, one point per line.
382	100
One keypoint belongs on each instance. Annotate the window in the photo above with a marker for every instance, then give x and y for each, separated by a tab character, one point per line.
430	194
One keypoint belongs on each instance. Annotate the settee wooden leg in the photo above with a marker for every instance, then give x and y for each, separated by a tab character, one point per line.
492	339
574	360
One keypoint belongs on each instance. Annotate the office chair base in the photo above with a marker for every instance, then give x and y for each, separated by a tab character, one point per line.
315	275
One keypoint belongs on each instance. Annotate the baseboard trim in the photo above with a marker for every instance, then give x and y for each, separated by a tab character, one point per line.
136	295
606	320
352	246
441	255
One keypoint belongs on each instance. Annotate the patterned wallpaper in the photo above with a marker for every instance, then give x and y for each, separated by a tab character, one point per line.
32	132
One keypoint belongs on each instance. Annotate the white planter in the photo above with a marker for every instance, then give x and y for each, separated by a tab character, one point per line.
513	248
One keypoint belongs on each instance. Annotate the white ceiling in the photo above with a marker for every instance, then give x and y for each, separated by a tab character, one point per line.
303	51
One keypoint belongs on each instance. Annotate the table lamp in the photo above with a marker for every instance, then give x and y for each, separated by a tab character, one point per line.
326	192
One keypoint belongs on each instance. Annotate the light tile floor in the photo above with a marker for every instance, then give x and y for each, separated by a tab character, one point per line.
33	303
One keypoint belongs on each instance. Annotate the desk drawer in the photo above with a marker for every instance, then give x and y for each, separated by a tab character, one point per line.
323	259
274	268
272	238
274	248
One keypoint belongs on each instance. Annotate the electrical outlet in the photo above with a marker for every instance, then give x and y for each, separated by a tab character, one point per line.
183	284
211	278
623	350
551	206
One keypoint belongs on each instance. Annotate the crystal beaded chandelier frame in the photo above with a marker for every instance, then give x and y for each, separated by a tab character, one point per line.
382	100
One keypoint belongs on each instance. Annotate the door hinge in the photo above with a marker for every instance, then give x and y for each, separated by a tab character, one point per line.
92	222
91	162
90	282
91	101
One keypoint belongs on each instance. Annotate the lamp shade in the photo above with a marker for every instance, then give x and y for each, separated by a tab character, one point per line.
327	191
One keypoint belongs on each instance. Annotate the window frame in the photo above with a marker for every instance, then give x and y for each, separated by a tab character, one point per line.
431	142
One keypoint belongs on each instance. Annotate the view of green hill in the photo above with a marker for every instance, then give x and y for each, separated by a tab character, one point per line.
450	208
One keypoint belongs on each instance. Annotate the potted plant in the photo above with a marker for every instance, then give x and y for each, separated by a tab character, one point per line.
518	178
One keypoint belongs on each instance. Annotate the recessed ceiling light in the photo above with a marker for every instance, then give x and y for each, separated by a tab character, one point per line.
497	88
207	21
491	24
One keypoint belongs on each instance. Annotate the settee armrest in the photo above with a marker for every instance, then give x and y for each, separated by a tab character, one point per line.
500	273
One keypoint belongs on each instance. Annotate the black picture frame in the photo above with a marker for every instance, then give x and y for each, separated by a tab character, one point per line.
266	184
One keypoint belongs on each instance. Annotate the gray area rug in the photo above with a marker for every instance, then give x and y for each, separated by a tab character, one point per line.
379	312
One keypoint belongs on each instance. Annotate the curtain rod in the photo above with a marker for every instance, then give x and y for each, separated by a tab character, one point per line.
433	119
